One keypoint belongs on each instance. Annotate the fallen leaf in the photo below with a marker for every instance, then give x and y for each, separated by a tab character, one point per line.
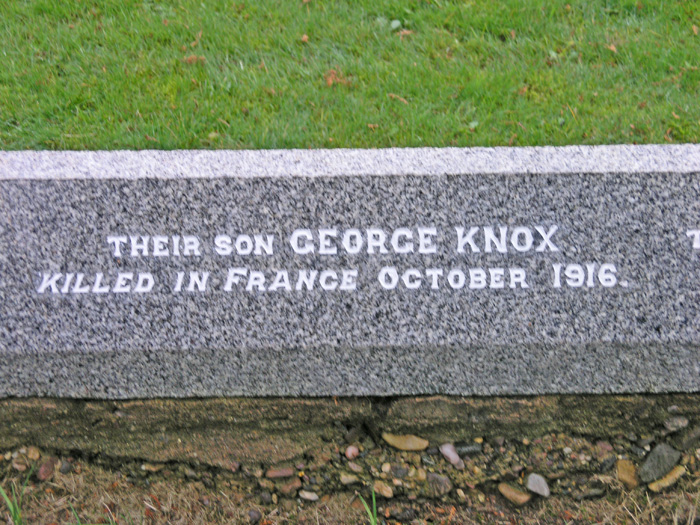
335	77
372	126
396	97
305	38
675	115
522	90
512	34
193	59
404	32
695	30
612	48
152	139
165	22
196	40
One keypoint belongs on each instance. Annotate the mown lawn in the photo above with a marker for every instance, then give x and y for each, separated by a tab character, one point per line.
114	74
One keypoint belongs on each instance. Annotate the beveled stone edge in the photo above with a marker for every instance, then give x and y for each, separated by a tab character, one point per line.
212	164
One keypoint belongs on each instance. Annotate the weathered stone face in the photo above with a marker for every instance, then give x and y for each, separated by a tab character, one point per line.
350	272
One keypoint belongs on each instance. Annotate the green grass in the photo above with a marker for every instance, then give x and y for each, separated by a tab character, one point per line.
13	502
371	514
108	74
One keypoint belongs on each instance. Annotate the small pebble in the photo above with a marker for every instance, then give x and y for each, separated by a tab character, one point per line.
668	480
33	454
254	516
514	495
308	495
46	470
673	424
276	473
352	452
659	462
289	489
627	474
383	489
348	479
405	442
438	485
538	485
448	450
354	467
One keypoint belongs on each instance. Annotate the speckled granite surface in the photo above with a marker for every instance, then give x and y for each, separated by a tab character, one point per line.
485	271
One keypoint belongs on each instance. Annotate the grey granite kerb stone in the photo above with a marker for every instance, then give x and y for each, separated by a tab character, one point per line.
481	271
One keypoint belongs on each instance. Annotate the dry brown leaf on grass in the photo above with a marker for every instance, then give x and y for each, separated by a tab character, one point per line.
404	32
193	59
305	38
196	40
396	97
612	48
695	30
335	77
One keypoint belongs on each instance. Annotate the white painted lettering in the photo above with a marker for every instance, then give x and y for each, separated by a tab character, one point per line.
517	277
117	241
281	280
375	240
411	278
123	284
160	246
223	245
306	279
456	279
263	244
328	280
139	245
388	277
191	245
477	278
521	239
145	283
325	241
49	281
547	239
462	239
256	280
406	246
426	243
352	241
434	274
234	277
302	242
490	239
349	280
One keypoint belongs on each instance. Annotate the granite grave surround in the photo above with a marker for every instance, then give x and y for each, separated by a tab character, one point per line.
503	271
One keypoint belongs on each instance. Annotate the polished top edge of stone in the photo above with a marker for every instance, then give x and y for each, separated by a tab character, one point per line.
211	164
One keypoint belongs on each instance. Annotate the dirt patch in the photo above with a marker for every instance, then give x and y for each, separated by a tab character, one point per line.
306	461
